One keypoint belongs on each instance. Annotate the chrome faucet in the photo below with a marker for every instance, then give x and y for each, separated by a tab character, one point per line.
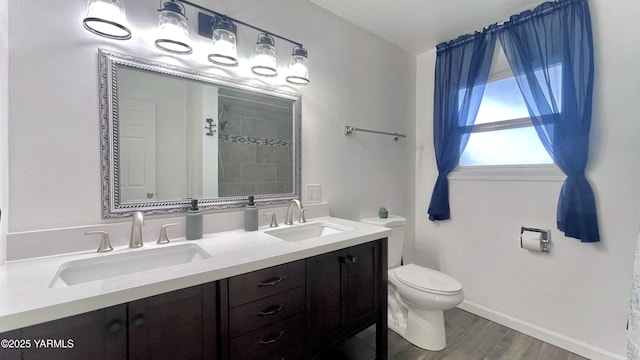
136	230
289	219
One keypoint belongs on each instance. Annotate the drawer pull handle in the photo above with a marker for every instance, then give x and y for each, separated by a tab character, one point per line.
271	282
272	340
271	310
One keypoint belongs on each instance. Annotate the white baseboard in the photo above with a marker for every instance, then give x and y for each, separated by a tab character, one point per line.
562	341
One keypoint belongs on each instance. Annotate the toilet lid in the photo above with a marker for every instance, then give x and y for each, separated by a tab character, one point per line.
425	279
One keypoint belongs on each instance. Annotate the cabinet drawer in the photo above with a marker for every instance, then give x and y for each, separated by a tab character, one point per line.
256	285
260	313
293	353
275	341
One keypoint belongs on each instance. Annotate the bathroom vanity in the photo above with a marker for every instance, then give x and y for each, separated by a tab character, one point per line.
257	297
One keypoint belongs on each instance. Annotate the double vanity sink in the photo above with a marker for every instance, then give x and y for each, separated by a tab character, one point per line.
138	260
43	289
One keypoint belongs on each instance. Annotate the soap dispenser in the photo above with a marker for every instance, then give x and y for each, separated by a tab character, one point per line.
193	222
250	216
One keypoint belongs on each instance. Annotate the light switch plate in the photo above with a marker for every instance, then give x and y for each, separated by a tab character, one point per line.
314	193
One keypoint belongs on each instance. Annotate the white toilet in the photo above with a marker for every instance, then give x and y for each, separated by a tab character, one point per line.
417	295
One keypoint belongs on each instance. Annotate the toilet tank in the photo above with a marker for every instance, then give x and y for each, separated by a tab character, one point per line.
396	239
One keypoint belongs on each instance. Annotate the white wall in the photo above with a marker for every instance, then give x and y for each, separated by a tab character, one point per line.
4	116
578	295
356	78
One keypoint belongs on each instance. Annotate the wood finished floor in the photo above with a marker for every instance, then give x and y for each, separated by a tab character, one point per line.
469	337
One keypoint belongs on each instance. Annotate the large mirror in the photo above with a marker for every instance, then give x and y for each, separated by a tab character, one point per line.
171	134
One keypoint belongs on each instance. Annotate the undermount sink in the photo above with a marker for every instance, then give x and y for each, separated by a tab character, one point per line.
307	231
112	265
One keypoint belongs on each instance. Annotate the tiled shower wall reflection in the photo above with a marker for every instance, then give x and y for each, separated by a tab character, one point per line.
255	146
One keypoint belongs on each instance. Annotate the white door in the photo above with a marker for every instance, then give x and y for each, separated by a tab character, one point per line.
137	150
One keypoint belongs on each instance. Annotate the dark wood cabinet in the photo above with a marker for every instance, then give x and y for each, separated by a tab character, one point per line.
361	278
100	334
346	292
263	283
324	299
10	352
290	311
257	314
177	325
266	313
279	340
180	324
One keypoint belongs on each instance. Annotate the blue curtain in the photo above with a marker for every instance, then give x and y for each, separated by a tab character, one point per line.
462	69
550	51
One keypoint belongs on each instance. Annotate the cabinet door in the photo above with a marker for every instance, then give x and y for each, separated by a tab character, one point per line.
176	325
11	351
346	292
99	334
362	283
324	299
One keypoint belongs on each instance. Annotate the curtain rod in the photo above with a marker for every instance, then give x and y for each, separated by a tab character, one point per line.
514	19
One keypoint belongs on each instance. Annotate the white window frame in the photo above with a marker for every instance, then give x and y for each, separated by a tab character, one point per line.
535	172
544	172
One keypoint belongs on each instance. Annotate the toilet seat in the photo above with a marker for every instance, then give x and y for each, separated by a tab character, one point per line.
423	279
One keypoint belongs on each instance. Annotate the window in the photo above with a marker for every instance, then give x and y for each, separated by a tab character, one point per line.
503	133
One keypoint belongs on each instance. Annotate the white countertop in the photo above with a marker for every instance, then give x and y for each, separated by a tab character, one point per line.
27	299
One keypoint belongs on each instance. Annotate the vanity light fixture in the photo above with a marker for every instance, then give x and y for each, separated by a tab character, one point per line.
265	55
224	51
107	18
265	58
298	67
173	31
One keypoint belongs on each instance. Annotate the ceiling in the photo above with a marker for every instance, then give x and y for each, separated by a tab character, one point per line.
418	25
